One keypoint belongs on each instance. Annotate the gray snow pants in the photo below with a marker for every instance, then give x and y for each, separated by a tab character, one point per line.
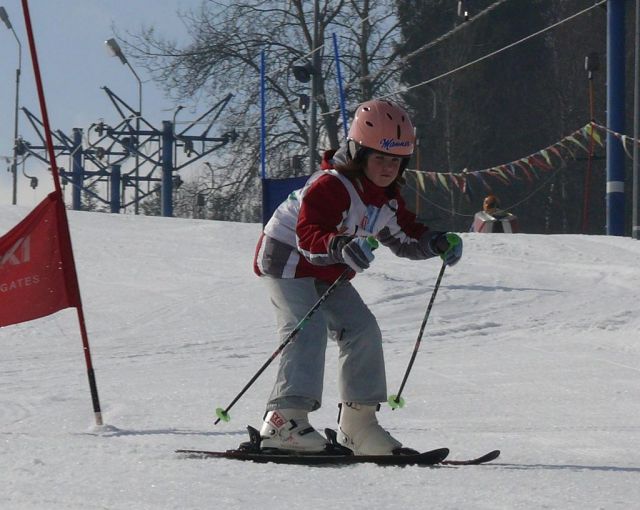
361	371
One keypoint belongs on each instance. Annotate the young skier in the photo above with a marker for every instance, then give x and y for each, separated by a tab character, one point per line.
313	237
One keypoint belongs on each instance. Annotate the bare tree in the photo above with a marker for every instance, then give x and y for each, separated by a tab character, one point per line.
223	55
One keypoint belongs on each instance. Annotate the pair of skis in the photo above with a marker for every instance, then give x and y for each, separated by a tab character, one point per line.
335	454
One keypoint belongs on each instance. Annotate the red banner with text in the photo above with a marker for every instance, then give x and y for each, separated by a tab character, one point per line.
37	273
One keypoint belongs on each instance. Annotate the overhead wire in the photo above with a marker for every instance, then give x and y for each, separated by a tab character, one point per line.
409	56
498	51
452	32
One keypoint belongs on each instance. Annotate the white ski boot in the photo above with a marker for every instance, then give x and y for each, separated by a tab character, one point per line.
359	430
289	429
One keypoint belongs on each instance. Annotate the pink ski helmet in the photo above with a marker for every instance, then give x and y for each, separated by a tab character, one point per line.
383	126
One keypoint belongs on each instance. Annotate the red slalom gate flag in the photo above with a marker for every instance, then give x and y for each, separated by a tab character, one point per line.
37	272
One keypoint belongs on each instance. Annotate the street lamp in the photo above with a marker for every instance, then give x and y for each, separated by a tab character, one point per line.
114	49
14	166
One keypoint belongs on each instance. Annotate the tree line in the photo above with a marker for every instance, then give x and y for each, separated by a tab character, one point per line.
495	111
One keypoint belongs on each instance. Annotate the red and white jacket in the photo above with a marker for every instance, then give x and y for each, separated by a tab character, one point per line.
295	241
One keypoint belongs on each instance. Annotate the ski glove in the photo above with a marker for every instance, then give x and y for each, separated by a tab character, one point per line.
448	246
356	252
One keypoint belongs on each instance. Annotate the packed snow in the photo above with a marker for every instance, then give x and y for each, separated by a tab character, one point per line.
532	347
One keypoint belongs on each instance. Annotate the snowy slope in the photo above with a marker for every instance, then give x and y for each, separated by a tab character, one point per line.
532	347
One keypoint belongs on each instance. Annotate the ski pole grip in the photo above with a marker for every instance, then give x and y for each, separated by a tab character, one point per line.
453	240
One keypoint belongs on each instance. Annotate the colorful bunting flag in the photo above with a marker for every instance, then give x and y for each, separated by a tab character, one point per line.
528	166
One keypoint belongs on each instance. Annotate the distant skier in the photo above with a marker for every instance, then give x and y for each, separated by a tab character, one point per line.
317	233
492	219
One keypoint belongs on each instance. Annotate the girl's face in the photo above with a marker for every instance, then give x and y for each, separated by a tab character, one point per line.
382	169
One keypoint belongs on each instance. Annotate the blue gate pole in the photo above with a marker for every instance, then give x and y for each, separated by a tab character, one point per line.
635	212
166	200
615	117
116	179
263	120
77	171
263	139
343	109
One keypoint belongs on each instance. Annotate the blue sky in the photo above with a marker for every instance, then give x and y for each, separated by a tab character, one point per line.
74	63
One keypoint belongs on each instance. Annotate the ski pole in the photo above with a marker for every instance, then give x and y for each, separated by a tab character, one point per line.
396	401
223	414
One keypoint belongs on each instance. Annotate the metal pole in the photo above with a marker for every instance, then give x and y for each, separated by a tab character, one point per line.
77	171
136	204
587	177
263	117
14	164
167	169
14	167
636	127
396	401
343	108
417	182
63	226
263	139
115	188
115	50
314	90
615	117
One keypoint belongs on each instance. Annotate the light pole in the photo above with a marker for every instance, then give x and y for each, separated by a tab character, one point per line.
116	51
14	166
175	148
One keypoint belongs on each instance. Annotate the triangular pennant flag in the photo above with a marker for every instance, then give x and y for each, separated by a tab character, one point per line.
512	171
420	181
500	176
592	133
467	189
556	151
525	170
443	180
573	139
538	163
458	180
624	139
569	150
484	182
533	170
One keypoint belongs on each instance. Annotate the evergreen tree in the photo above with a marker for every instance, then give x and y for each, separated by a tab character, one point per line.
507	106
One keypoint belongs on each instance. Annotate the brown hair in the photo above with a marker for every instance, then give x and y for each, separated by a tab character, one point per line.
490	202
